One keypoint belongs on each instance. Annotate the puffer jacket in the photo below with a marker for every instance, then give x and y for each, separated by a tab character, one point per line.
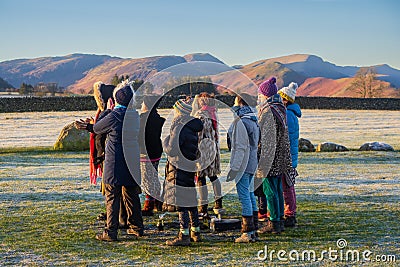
181	146
244	135
293	114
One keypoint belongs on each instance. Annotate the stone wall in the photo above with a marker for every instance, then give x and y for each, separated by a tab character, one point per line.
76	103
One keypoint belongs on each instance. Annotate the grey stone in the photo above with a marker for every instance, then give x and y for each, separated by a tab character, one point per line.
376	146
331	147
305	145
72	139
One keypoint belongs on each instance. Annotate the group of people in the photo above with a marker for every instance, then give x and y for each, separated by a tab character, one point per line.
263	143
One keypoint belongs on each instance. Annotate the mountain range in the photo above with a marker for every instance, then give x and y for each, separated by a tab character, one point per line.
78	72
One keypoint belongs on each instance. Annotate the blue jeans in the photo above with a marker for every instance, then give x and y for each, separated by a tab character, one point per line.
246	195
273	191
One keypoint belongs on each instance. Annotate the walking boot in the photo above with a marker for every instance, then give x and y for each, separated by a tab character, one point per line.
290	221
158	205
271	227
195	234
218	205
203	212
247	230
180	240
282	224
148	207
104	236
255	221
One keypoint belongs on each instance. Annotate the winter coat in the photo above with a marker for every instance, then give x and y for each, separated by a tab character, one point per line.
209	153
181	146
116	171
151	124
293	113
274	147
244	135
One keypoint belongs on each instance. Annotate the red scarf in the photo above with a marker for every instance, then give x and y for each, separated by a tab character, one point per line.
213	113
95	170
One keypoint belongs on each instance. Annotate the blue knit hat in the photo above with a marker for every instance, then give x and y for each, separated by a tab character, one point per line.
124	95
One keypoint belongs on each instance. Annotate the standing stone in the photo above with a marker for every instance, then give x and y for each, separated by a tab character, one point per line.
376	146
72	139
305	145
331	147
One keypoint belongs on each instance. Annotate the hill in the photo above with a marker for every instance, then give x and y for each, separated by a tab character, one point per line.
4	85
78	72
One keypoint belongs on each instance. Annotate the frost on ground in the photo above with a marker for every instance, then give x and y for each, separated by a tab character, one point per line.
347	127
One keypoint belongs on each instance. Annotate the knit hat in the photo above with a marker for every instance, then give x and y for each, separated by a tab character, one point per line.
123	95
102	92
183	106
289	92
268	87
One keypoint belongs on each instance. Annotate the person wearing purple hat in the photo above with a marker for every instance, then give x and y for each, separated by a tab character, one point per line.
273	151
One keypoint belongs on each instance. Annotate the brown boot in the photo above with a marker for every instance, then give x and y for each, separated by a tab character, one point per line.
247	230
271	227
255	222
180	240
195	234
148	207
106	237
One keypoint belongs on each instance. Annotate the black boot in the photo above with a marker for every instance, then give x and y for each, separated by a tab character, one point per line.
290	221
218	203
282	224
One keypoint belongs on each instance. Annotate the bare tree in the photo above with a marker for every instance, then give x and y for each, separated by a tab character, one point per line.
366	84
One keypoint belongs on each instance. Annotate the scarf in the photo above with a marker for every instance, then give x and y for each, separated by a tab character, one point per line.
277	107
212	110
95	169
246	111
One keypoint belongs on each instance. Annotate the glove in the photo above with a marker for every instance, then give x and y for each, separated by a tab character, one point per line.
231	175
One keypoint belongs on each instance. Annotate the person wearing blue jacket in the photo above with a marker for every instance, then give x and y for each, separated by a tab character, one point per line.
121	170
293	114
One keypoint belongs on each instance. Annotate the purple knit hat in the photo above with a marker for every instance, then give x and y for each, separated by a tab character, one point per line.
268	87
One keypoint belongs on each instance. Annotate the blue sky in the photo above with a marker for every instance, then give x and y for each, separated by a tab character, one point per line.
344	32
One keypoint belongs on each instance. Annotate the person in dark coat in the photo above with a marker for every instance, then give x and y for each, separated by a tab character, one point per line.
120	178
97	143
151	149
181	147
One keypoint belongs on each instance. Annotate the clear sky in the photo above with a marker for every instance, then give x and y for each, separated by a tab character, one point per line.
344	32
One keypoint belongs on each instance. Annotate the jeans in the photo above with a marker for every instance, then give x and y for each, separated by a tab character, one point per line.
273	191
188	216
289	195
246	195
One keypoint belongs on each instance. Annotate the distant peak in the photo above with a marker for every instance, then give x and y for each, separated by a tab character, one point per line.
201	57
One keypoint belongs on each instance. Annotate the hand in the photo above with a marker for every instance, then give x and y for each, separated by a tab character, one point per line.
231	175
80	125
89	120
110	104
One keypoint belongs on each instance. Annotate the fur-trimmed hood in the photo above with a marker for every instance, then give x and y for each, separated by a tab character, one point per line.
102	92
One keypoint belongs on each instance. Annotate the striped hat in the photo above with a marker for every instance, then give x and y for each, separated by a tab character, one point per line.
183	106
289	92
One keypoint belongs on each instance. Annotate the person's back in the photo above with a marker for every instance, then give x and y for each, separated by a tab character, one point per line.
293	115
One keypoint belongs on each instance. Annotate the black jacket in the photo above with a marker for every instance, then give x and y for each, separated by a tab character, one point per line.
151	124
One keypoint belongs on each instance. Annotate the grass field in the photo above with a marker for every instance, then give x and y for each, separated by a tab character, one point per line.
48	208
49	214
